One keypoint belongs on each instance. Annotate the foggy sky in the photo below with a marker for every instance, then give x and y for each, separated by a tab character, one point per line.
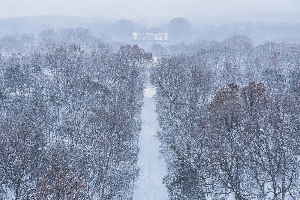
159	11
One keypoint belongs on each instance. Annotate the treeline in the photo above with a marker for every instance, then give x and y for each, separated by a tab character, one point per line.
229	119
69	124
47	41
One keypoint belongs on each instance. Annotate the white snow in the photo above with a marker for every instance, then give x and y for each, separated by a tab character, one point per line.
152	168
149	92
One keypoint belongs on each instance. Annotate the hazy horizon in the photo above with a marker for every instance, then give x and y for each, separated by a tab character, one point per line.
153	13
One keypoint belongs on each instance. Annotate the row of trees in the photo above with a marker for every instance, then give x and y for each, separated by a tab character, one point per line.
69	124
222	139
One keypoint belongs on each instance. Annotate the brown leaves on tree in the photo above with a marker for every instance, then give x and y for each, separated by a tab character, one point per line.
61	180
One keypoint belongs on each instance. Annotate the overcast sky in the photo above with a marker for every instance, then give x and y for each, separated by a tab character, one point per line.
152	11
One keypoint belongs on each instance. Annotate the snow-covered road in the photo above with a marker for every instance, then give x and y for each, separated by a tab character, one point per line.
152	168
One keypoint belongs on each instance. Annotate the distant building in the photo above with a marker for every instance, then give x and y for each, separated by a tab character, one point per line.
151	38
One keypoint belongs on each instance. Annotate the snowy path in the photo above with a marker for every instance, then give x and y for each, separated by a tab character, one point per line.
152	169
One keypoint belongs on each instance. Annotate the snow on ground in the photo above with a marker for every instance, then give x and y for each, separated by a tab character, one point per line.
152	168
149	92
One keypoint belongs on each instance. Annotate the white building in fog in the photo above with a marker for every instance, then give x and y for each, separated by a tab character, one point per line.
149	37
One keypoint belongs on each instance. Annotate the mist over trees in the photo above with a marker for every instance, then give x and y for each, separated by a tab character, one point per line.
227	100
179	30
